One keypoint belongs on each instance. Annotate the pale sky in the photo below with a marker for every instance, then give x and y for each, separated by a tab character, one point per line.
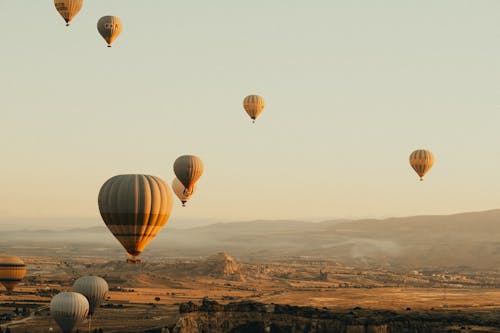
351	87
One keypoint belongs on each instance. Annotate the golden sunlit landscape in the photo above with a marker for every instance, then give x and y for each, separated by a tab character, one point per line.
263	166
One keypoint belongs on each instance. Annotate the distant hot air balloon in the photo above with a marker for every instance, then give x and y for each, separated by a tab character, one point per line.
253	104
180	191
69	309
135	208
12	271
109	27
188	169
421	161
94	288
68	8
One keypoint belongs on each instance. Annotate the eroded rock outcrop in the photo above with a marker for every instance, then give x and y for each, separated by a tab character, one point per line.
222	265
251	317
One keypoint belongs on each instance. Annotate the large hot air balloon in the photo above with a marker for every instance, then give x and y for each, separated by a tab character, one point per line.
12	271
421	161
109	27
135	208
188	169
180	191
68	8
253	104
69	309
94	288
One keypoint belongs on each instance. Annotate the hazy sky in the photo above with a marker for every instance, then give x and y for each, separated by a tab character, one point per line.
352	87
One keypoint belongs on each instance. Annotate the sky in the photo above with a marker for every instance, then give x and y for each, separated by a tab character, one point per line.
352	87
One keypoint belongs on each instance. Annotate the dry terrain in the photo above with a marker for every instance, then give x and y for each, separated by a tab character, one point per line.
429	264
318	283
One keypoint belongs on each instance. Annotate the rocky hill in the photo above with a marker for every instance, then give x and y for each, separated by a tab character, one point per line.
223	266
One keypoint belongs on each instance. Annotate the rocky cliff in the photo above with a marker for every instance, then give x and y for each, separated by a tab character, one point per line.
250	317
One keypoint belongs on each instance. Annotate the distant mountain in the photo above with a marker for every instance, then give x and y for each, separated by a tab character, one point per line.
459	240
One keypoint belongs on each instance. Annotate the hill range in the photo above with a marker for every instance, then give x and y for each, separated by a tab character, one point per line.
467	240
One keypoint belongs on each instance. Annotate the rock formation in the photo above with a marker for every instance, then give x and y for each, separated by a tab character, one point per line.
251	317
222	266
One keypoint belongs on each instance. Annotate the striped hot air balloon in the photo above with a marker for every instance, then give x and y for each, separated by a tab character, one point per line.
68	310
421	161
180	191
68	8
12	271
94	288
135	208
253	104
109	27
188	169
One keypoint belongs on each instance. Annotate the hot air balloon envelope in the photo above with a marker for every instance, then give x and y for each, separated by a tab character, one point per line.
12	271
421	161
68	8
135	208
69	309
188	169
181	192
94	288
253	104
109	27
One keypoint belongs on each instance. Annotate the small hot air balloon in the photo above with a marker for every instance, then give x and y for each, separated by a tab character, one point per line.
135	208
421	161
188	169
94	288
109	27
253	104
180	191
69	309
12	271
68	8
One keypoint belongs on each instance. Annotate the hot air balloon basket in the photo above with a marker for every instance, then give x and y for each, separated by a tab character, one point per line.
134	261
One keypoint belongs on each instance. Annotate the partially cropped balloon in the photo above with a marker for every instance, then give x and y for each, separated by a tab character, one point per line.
188	169
109	27
12	271
181	192
421	161
94	288
68	8
254	104
68	310
135	208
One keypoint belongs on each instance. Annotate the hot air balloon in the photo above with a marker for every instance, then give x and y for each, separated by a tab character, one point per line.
94	288
421	161
135	208
109	27
188	169
253	104
12	271
69	309
180	191
68	8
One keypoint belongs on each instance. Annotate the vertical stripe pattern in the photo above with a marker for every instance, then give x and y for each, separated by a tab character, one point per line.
421	161
69	309
109	27
94	288
188	169
12	271
135	208
68	8
253	104
181	192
